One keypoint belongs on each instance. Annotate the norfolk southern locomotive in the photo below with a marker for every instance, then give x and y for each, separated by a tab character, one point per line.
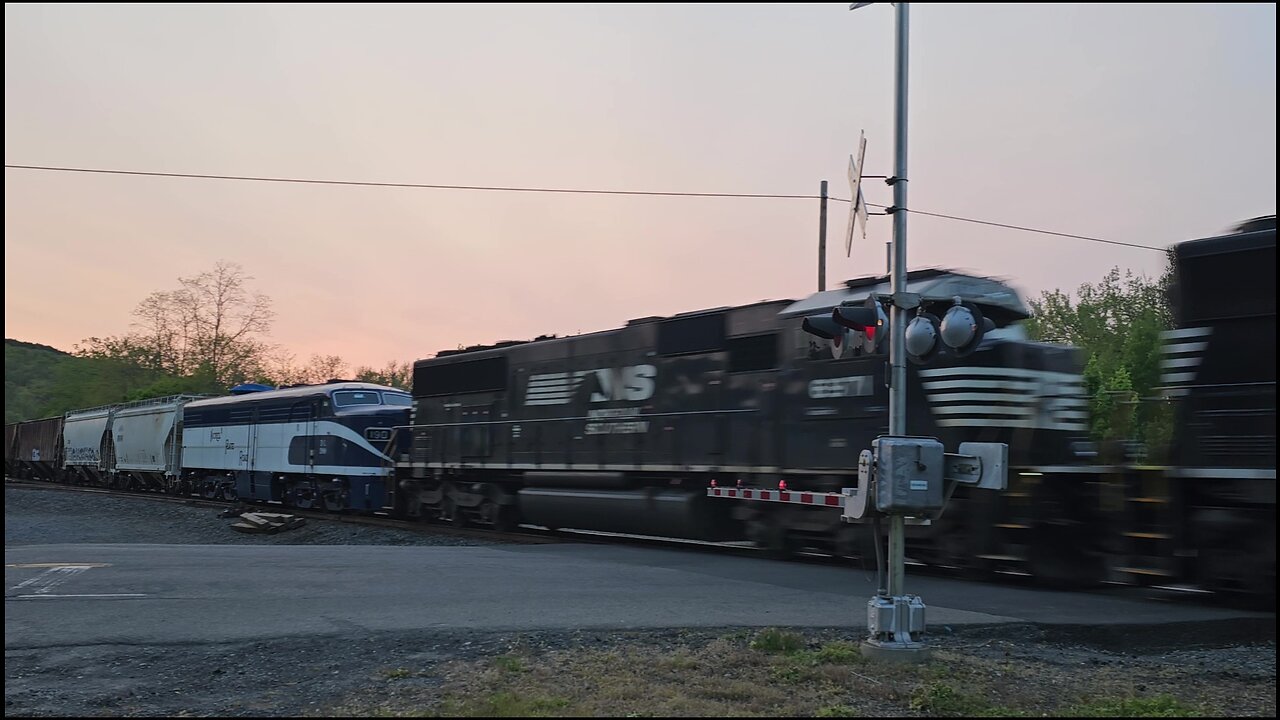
623	431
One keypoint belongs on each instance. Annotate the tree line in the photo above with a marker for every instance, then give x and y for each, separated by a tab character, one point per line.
1116	323
203	336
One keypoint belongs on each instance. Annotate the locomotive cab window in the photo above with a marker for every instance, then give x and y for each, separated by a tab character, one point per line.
350	398
397	399
753	353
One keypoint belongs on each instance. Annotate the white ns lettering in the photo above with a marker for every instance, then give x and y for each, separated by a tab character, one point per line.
628	383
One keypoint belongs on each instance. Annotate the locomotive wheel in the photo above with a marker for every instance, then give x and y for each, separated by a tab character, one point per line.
450	513
1057	557
776	541
333	503
501	516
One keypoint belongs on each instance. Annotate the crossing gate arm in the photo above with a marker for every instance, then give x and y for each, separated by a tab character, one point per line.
983	465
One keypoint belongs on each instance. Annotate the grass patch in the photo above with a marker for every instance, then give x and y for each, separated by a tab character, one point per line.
677	662
777	642
509	663
506	704
781	673
939	698
839	652
1160	706
825	663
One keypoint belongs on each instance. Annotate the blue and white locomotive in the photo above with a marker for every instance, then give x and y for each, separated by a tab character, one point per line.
307	447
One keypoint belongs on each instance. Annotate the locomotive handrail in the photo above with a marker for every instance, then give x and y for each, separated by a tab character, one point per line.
137	403
591	417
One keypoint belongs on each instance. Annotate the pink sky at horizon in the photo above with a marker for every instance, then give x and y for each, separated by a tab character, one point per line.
1121	122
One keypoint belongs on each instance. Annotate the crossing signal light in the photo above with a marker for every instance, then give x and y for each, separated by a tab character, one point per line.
856	318
959	332
962	328
822	326
866	317
922	338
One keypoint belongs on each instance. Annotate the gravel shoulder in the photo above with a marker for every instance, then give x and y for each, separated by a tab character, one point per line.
1005	671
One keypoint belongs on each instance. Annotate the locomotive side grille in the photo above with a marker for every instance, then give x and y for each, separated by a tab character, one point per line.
553	388
1237	446
1006	398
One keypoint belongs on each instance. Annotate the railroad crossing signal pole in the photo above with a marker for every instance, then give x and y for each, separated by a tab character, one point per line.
898	286
897	639
900	476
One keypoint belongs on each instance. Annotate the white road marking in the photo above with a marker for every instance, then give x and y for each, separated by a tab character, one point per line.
56	574
51	578
99	595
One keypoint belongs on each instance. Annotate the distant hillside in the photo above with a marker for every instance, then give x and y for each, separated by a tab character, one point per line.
29	378
40	381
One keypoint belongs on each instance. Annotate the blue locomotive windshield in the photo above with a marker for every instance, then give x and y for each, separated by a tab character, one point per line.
348	398
397	399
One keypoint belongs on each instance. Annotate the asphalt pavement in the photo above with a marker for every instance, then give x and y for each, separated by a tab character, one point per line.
76	595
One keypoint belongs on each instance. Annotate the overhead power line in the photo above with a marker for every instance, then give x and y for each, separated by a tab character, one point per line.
571	191
357	183
1023	228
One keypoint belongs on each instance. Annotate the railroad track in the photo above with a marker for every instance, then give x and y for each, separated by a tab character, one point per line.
370	520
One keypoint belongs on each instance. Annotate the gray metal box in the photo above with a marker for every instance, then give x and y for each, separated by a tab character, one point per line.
880	615
909	474
915	611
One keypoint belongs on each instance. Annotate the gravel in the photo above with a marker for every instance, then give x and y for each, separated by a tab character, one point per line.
37	516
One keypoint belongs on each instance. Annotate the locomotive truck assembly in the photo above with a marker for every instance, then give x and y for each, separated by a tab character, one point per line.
624	430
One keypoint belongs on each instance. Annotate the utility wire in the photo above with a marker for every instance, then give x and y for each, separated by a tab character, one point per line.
305	181
1017	227
574	191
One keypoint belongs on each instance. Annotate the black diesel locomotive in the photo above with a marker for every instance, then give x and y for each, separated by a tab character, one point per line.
1208	513
623	430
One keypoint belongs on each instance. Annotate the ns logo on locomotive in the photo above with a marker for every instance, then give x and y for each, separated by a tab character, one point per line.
624	430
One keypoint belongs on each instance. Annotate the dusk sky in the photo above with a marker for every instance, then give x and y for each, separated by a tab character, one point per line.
1146	124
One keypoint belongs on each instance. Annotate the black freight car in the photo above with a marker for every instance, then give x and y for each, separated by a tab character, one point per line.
10	435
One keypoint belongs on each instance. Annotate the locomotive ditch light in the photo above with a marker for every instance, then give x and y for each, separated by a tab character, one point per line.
963	327
923	341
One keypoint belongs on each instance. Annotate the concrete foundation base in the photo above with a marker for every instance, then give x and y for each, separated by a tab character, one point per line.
895	653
